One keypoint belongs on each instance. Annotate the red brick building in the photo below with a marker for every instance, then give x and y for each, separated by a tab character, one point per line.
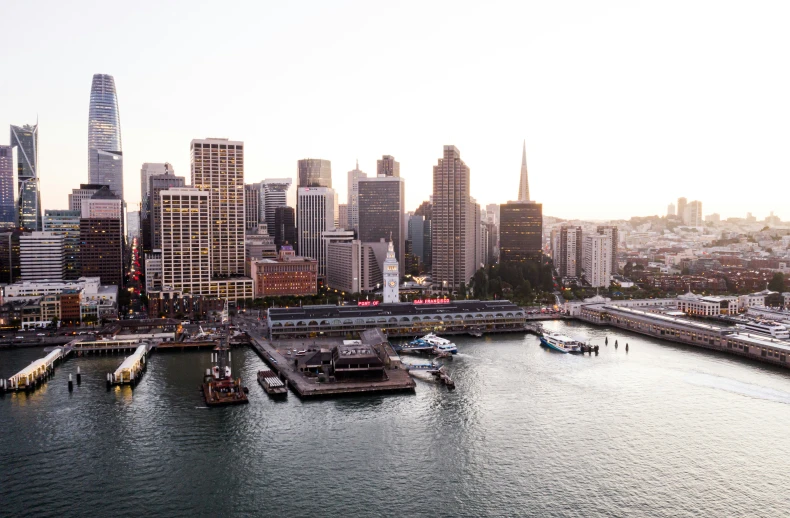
288	275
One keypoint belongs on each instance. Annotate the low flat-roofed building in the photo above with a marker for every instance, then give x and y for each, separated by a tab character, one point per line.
709	306
290	274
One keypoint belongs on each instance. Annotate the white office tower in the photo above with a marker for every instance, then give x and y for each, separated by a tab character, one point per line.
275	194
42	256
597	260
186	240
391	277
353	196
315	214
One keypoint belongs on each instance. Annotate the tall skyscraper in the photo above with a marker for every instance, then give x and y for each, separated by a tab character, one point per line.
452	223
8	189
353	196
314	172
186	240
523	185
25	139
252	205
568	252
414	234
284	231
387	166
218	167
597	260
66	223
382	205
152	224
275	194
426	211
41	256
315	214
105	154
614	240
101	249
520	231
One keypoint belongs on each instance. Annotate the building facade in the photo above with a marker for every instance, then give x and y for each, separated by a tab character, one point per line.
25	140
284	230
288	275
315	214
253	193
391	287
8	189
186	240
275	195
105	153
520	231
66	223
387	166
314	172
614	241
568	260
152	234
41	256
382	206
84	192
353	196
101	249
597	260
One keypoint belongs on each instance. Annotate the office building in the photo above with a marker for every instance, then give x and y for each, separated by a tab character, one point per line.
426	210
8	189
342	216
523	185
132	224
146	172
315	214
9	256
275	194
314	172
101	249
520	231
105	154
25	140
102	205
259	245
66	223
153	271
614	241
85	191
568	251
287	275
186	240
597	260
354	266
387	166
152	224
415	234
253	192
284	230
452	223
41	256
335	235
218	167
353	196
382	206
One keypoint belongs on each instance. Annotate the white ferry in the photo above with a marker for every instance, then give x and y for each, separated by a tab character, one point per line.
561	343
774	330
441	344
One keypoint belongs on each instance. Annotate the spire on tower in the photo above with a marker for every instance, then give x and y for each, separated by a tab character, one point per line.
523	186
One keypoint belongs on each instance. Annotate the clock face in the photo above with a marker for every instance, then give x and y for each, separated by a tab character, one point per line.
392	284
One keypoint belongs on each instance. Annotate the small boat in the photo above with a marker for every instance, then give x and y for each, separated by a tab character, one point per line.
439	343
271	384
219	387
561	343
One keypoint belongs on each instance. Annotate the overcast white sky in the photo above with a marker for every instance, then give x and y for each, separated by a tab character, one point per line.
624	105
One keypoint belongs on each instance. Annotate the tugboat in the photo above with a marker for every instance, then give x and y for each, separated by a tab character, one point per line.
219	388
271	384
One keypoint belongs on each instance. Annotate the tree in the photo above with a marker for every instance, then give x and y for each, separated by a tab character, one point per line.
777	282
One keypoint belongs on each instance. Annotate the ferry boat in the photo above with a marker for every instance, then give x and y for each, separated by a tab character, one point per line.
561	343
271	384
442	345
771	329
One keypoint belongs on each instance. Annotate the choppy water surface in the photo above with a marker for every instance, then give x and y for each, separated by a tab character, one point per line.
662	430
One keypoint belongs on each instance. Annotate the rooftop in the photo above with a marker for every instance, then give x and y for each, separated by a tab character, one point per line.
398	309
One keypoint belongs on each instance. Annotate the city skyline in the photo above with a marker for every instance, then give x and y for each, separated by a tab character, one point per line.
577	119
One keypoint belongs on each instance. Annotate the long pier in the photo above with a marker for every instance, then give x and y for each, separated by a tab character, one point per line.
32	376
130	371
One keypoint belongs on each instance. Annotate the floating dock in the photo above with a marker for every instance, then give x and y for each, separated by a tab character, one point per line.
36	373
131	370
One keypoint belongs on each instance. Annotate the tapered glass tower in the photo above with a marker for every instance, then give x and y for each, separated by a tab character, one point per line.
25	139
105	155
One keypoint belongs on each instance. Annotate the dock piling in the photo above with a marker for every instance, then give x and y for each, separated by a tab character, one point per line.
79	376
71	384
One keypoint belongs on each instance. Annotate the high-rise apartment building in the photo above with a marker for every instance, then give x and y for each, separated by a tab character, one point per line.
692	214
314	172
597	260
284	230
8	187
25	140
452	222
387	166
101	249
152	224
614	241
353	196
568	251
105	154
315	214
218	167
186	240
85	191
41	256
66	223
275	194
682	207
520	231
382	205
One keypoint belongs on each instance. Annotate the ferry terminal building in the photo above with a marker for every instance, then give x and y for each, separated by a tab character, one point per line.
399	319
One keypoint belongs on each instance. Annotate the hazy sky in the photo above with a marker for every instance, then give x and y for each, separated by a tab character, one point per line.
624	105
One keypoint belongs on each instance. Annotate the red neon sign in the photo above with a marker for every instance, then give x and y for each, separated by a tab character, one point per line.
432	301
364	303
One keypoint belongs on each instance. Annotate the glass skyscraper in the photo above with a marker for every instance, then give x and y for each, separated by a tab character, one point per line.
105	155
25	139
7	189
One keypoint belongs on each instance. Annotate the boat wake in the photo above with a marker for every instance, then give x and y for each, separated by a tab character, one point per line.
738	387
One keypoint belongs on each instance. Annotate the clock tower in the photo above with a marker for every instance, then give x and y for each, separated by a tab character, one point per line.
391	276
